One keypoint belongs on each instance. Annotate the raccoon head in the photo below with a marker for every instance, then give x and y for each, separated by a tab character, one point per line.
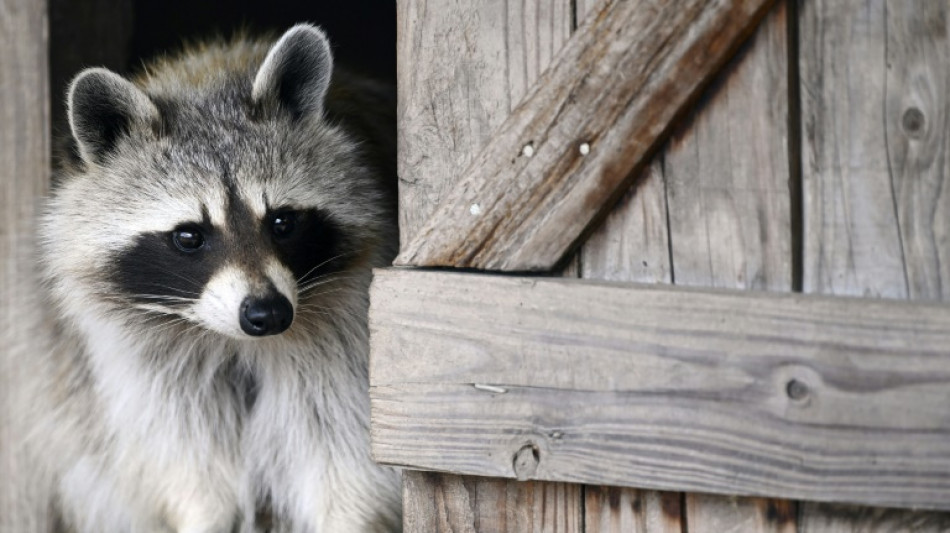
213	192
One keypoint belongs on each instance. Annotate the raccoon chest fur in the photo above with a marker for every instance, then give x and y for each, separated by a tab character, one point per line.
207	255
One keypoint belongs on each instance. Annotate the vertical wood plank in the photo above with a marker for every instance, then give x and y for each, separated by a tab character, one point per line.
623	510
632	244
727	174
916	108
461	67
24	174
727	177
435	502
708	513
874	83
852	242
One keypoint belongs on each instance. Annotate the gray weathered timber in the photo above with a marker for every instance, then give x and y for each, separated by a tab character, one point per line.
747	393
24	173
727	174
714	513
728	195
632	243
462	67
852	240
616	86
874	80
839	518
917	133
443	502
625	510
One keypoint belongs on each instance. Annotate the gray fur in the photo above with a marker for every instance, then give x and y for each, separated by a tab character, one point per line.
158	415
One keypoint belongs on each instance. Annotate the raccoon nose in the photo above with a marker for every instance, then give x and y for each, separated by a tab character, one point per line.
269	315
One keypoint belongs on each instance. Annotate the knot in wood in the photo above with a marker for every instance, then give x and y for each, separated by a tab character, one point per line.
913	122
526	461
796	390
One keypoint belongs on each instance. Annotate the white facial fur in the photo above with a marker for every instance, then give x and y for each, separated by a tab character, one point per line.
219	306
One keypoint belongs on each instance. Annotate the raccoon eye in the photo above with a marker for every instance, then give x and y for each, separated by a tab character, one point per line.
283	224
188	239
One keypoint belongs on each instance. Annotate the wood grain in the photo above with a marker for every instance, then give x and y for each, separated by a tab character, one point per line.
632	244
461	68
852	241
780	395
625	510
712	513
874	82
616	86
917	133
728	195
437	502
24	174
727	174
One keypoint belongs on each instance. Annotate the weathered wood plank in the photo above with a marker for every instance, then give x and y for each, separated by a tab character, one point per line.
727	173
824	517
565	153
632	244
727	176
917	132
874	92
436	503
852	242
739	393
24	173
712	513
462	67
624	510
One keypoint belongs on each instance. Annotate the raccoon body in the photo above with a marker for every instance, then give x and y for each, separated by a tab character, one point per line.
207	258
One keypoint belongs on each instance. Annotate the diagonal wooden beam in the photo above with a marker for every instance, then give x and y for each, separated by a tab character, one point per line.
589	123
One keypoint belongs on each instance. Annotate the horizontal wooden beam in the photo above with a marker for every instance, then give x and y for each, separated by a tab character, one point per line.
591	120
779	395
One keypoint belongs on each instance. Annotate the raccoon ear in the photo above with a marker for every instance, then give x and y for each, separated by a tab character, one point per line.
296	72
103	106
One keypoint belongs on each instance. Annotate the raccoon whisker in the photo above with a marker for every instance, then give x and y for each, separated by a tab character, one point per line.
311	285
176	289
181	277
334	258
164	297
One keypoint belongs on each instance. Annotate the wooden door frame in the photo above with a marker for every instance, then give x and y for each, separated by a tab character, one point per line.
531	195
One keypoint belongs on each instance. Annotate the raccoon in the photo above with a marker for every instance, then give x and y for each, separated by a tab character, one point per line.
207	256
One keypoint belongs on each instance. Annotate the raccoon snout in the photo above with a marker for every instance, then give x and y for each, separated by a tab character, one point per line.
269	315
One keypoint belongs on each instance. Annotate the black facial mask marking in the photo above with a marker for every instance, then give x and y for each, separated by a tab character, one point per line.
155	270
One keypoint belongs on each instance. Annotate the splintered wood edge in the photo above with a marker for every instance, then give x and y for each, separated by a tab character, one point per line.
767	394
596	115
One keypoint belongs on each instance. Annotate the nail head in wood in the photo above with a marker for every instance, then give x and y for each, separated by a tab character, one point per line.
475	209
528	150
584	148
